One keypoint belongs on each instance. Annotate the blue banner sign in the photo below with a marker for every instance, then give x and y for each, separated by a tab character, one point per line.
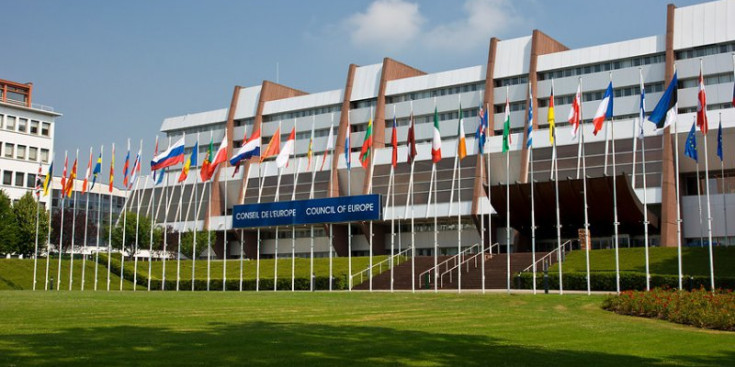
287	213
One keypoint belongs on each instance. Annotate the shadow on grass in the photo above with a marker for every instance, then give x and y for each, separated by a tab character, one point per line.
277	344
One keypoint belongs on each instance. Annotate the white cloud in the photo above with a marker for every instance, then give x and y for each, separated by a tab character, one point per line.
389	25
484	19
386	24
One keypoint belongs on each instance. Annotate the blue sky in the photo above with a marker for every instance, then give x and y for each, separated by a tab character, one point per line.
117	69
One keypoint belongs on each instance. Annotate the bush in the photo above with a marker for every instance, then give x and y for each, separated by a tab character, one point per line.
700	308
605	281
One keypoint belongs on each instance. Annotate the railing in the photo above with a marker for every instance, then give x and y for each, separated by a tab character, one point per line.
466	262
366	272
546	260
446	264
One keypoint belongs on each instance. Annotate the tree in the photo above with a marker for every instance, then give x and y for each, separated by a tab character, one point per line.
144	228
25	215
8	225
69	224
187	243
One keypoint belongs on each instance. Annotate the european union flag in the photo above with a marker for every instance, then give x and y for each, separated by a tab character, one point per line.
690	147
719	141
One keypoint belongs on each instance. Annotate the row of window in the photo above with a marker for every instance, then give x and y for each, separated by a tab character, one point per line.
708	80
603	66
436	92
513	80
302	113
705	51
24	125
21	179
632	90
24	152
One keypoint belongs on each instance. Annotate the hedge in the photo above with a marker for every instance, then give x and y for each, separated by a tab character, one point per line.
605	281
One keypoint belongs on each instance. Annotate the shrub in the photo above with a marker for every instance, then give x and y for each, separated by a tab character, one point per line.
700	308
605	281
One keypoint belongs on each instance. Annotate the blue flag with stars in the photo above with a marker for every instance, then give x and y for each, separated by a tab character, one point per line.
719	141
690	147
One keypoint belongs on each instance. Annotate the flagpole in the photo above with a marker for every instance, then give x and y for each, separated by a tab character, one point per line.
370	191
588	242
529	146
435	182
331	233
276	199
137	227
154	213
722	176
167	207
257	244
293	227
393	211
643	169
86	217
35	247
348	151
224	230
179	211
490	207
109	236
616	221
409	196
459	205
50	217
311	196
507	215
709	215
678	214
197	207
99	223
125	218
73	222
699	202
555	173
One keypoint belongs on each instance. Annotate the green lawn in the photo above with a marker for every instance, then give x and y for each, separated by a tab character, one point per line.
340	328
18	274
663	260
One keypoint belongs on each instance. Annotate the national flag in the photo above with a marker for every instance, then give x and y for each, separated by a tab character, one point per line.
249	149
72	177
112	168
665	111
135	171
411	141
367	145
436	141
604	110
481	132
47	180
310	152
274	145
39	181
155	153
160	176
63	175
126	166
702	105
690	147
529	135
550	116
190	161
461	143
287	151
171	156
719	141
204	170
88	173
330	146
219	157
394	142
97	169
574	111
506	127
348	155
641	109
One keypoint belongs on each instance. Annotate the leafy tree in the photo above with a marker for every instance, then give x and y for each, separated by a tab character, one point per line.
69	224
25	214
143	226
187	243
8	225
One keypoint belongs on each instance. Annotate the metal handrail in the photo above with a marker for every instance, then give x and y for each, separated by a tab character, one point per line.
380	265
541	260
466	261
444	263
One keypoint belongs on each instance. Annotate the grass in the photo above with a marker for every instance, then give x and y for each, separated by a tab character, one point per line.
17	274
340	328
662	260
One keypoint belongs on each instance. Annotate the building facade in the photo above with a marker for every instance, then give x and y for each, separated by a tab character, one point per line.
521	71
26	138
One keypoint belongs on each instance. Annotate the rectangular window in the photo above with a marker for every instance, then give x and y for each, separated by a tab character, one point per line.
10	123
2	117
21	152
22	125
19	176
9	150
31	180
34	127
44	155
32	154
45	128
7	178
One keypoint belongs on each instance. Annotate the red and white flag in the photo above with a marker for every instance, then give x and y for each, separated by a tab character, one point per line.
702	105
574	112
287	150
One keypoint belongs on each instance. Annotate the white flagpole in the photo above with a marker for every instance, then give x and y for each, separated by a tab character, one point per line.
124	227
349	193
73	223
197	207
224	229
257	244
616	222
311	196
276	199
724	202
643	169
507	215
293	227
99	223
409	196
635	148
179	212
678	213
331	234
165	225
529	143
436	228
35	248
154	215
48	236
132	195
607	141
86	220
209	219
137	227
459	204
370	190
109	235
709	216
555	173
490	205
588	242
699	202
